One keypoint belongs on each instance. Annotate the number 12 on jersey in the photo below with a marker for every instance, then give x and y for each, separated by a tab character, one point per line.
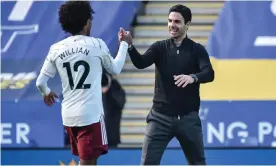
80	84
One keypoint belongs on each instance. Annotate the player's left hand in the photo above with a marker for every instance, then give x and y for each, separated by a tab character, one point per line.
49	100
183	80
105	90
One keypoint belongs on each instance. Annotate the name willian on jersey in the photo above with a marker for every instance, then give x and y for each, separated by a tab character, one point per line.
74	50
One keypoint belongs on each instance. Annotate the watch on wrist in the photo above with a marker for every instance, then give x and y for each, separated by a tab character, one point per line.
194	77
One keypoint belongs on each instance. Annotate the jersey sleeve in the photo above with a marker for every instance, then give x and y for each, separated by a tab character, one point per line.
111	65
41	84
49	67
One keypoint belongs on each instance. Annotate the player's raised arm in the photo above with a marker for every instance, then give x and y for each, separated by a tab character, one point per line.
114	66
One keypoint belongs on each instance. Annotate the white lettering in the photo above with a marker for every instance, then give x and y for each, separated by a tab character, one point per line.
233	126
267	40
6	132
17	30
273	7
274	133
30	76
19	76
213	132
20	10
22	130
203	112
273	144
6	76
265	128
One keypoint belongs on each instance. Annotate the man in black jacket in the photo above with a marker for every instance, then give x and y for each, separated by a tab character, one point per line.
181	65
114	99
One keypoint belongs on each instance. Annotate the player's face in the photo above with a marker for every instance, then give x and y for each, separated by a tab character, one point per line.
176	25
87	27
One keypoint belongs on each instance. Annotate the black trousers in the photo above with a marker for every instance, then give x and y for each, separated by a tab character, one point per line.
162	128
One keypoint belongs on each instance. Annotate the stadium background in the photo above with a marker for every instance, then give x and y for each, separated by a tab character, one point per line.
238	109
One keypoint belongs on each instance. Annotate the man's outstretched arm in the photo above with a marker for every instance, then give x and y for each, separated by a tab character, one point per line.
115	65
145	60
140	61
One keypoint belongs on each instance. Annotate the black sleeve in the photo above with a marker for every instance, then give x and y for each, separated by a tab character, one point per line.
206	73
145	60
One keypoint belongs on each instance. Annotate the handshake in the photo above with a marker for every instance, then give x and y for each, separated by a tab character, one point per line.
124	36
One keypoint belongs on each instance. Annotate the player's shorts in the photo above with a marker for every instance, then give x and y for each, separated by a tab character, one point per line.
88	142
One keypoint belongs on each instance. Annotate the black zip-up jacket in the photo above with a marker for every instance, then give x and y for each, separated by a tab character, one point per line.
189	58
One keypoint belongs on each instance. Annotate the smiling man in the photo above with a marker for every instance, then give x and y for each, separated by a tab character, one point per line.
181	66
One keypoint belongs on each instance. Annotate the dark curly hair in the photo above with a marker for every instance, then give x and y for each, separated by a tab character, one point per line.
73	15
183	10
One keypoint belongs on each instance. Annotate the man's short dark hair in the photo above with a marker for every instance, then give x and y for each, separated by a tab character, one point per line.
183	10
73	15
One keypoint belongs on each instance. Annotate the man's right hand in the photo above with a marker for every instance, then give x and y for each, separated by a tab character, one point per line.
124	36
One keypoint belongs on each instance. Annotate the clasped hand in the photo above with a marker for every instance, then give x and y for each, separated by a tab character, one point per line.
124	36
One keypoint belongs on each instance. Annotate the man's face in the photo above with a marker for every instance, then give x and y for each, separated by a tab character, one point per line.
176	25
